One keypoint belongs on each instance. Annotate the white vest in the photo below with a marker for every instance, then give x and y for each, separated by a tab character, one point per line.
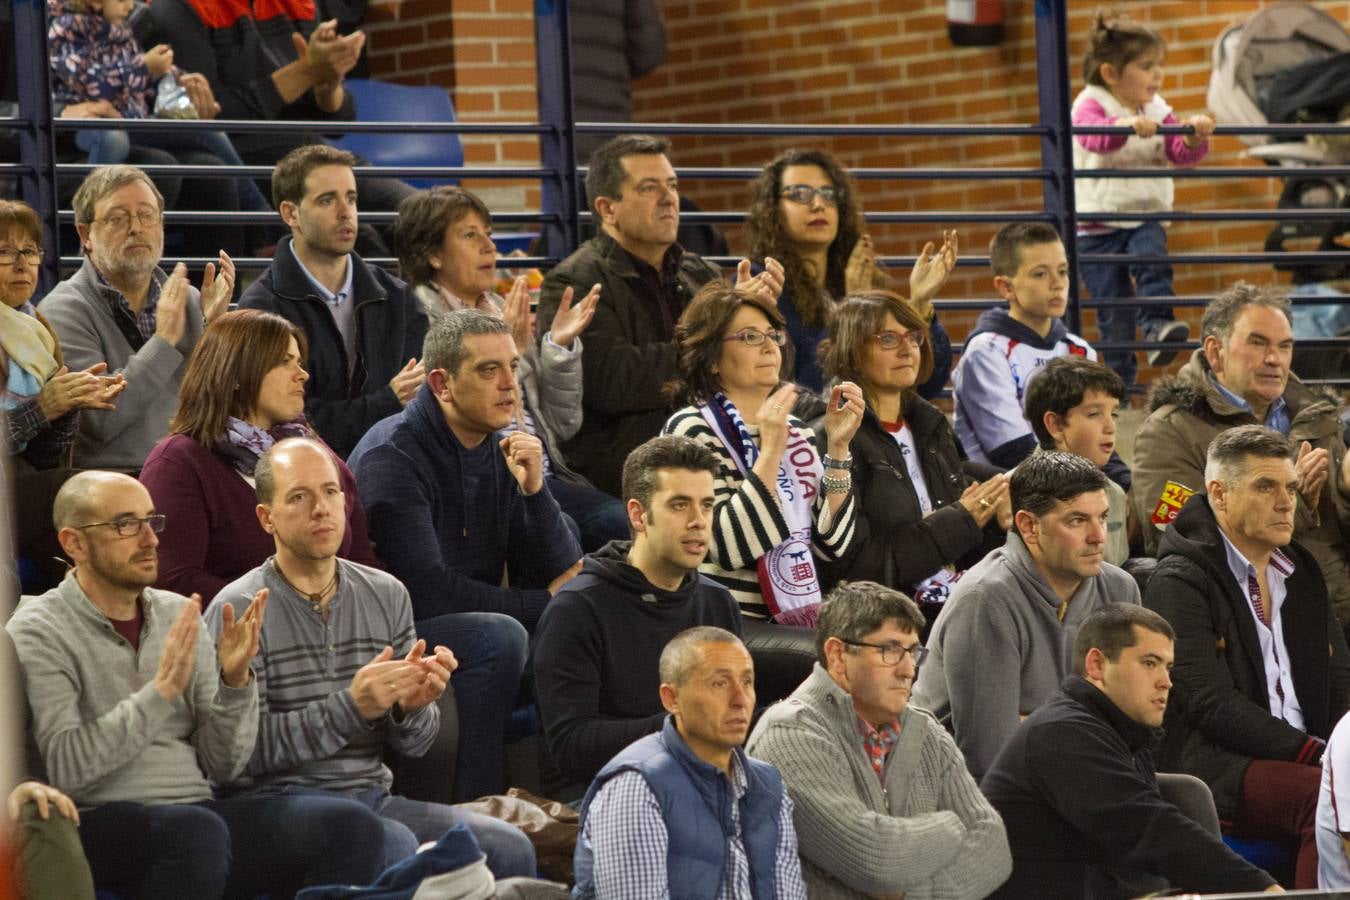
1123	194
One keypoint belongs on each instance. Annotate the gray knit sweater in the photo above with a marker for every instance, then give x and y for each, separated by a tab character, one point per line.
81	312
310	732
928	832
105	733
999	650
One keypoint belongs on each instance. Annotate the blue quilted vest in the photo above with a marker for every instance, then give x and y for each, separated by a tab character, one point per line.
695	800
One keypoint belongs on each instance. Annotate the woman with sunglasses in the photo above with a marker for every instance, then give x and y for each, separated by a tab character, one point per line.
805	213
921	520
41	397
779	505
243	390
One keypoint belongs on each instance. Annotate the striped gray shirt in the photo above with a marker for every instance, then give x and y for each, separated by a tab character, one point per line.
309	730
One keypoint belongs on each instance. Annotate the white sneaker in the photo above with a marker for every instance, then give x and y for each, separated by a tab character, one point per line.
1168	332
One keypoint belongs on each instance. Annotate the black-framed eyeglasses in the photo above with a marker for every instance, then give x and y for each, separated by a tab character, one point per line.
121	221
753	337
31	255
130	526
805	194
892	653
889	340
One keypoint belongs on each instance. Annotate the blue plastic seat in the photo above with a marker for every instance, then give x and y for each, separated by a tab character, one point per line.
378	101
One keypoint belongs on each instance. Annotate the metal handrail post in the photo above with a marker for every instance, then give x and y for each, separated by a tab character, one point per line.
557	146
37	148
1052	84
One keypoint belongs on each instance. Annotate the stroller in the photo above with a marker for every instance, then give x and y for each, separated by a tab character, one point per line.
1290	63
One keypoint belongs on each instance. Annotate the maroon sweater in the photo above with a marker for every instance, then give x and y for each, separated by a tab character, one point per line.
212	535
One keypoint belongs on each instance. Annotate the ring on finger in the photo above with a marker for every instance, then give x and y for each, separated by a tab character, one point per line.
984	502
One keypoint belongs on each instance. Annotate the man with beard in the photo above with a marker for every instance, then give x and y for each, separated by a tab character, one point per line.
363	325
135	712
121	309
325	718
598	640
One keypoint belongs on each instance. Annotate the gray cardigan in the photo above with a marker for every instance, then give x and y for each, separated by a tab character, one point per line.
928	832
104	732
998	651
80	310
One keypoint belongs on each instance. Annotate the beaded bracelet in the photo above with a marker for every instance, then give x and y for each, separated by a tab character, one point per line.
833	485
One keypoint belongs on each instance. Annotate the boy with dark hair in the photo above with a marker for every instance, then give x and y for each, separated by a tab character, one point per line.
1031	273
1077	786
1001	646
1072	404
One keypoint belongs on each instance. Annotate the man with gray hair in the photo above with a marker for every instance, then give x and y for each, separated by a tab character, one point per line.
884	802
685	812
1241	375
460	514
122	310
1261	673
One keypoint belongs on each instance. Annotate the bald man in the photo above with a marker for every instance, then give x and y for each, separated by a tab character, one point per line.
134	709
325	720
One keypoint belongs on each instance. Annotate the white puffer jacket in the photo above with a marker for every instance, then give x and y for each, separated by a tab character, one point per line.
1123	194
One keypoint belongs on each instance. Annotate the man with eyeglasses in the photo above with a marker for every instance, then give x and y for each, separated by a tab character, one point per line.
121	309
136	712
884	805
646	281
1002	645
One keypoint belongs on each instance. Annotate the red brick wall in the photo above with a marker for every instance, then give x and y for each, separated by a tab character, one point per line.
890	61
482	52
837	61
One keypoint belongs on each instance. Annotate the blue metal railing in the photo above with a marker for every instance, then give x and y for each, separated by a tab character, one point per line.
562	213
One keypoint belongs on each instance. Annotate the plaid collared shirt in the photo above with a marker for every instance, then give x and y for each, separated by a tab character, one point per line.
878	743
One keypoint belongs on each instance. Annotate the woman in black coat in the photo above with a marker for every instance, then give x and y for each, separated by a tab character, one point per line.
922	521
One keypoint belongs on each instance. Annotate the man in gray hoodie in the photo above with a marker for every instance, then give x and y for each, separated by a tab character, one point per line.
1003	643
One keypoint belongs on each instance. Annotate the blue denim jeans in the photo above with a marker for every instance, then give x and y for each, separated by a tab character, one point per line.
237	847
407	824
490	649
1116	321
599	517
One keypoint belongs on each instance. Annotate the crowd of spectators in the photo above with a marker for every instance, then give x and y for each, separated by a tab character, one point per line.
786	627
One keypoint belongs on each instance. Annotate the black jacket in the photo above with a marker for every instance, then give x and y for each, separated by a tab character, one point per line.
1218	718
238	52
390	327
629	356
1078	791
896	544
595	654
